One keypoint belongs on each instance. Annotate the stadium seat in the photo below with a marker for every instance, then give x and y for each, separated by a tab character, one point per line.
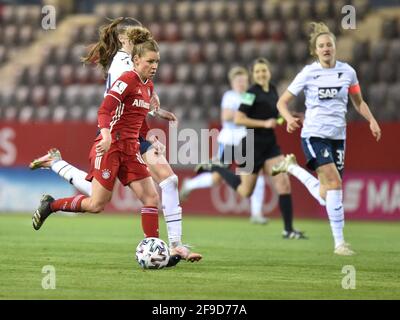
377	94
257	30
43	113
270	10
26	114
184	11
267	49
171	32
386	72
194	54
91	114
289	10
211	52
166	12
229	52
22	96
239	30
222	31
166	73
200	73
156	29
200	10
250	10
218	10
248	51
233	11
394	51
204	31
39	96
188	31
218	73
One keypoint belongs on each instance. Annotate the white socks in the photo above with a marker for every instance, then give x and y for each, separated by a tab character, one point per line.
171	209
73	175
257	198
310	182
203	180
334	207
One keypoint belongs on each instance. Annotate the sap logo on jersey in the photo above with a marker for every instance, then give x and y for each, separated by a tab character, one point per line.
141	104
328	93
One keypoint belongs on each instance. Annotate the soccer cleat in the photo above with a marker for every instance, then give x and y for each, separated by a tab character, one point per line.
284	164
42	212
173	260
294	234
344	250
185	253
184	192
259	220
47	160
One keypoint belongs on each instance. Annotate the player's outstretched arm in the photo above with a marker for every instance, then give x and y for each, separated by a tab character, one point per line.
362	108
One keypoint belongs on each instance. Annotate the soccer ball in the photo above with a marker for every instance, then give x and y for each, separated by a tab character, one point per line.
152	253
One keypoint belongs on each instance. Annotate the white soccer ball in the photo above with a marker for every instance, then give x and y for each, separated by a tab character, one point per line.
152	253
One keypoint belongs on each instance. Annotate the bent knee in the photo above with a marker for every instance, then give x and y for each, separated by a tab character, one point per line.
151	199
332	184
282	185
245	193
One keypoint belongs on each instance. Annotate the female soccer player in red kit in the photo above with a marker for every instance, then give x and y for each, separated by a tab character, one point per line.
113	54
115	152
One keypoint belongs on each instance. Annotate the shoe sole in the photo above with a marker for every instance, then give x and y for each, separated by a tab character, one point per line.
36	216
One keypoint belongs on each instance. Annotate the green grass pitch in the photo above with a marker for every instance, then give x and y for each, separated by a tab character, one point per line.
94	258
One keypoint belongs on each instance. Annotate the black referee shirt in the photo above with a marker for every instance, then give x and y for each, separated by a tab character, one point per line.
261	105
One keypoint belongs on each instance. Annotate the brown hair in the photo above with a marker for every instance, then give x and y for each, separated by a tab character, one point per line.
318	29
103	51
257	61
142	46
236	71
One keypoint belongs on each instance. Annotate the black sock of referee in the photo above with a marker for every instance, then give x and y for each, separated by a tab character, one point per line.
285	204
230	178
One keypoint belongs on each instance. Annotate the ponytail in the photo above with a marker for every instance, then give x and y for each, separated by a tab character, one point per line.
102	52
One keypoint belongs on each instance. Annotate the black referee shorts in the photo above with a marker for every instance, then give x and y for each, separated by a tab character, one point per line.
262	151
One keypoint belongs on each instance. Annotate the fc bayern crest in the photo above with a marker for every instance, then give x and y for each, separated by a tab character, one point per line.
106	174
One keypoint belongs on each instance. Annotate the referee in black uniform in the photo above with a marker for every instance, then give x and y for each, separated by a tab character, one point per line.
258	111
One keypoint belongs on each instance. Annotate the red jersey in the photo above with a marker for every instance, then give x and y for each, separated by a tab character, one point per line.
125	106
144	129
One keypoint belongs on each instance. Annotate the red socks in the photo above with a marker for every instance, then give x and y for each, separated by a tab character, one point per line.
150	221
72	204
149	214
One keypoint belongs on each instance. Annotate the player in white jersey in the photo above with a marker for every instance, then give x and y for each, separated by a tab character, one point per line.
112	53
326	84
229	138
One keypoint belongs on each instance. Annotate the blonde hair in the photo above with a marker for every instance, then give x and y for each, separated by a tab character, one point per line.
104	50
236	71
318	29
141	47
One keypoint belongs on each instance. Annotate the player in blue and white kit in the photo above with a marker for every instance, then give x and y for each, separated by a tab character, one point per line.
113	53
326	84
229	138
